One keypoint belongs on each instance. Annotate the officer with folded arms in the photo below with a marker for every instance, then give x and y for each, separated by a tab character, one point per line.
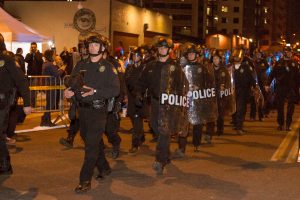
101	83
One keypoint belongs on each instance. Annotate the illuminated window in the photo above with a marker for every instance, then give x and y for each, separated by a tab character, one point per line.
224	8
265	9
208	11
265	21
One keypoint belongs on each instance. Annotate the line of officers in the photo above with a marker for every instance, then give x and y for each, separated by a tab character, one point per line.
172	94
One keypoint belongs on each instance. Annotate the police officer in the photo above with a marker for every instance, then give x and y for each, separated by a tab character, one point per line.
113	117
10	77
244	82
132	74
148	56
153	80
220	73
286	74
101	83
199	109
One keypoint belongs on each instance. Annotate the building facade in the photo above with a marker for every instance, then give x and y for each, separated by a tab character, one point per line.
119	25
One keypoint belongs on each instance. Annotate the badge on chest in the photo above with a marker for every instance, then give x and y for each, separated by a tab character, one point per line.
2	63
101	68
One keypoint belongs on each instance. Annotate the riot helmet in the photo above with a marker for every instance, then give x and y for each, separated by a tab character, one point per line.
138	53
164	42
98	39
191	52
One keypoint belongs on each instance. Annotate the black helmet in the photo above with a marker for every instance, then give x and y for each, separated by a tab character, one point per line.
99	39
139	51
94	39
217	54
192	48
164	42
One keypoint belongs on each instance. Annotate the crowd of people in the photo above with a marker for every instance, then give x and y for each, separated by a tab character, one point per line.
172	89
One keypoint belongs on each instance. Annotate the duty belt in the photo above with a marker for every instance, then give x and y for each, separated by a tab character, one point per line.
95	104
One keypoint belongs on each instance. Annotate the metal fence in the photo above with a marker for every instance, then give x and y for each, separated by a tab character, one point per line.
47	95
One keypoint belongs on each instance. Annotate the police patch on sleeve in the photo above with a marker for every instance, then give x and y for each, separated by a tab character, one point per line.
102	68
2	62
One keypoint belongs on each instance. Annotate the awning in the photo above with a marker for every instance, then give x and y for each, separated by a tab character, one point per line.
15	31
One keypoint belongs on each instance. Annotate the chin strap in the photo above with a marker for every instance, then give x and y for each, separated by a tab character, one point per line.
101	51
161	55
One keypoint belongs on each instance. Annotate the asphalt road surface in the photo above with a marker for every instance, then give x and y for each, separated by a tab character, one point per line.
260	165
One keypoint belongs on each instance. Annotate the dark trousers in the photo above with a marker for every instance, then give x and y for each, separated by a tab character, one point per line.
138	130
74	126
92	126
239	116
51	104
4	154
12	121
163	135
198	131
220	124
220	119
280	99
112	128
255	108
154	118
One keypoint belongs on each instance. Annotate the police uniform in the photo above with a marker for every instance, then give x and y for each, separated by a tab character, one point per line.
262	78
10	77
151	80
244	81
135	113
113	118
103	78
220	80
285	73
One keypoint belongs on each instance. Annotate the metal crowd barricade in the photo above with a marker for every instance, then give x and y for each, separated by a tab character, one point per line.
47	95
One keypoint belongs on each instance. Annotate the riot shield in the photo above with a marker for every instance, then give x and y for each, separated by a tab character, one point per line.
226	94
202	94
173	101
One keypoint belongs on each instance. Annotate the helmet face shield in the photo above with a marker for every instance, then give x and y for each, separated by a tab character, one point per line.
190	51
163	46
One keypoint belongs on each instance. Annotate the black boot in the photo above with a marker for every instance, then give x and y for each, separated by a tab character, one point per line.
5	166
83	187
68	142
